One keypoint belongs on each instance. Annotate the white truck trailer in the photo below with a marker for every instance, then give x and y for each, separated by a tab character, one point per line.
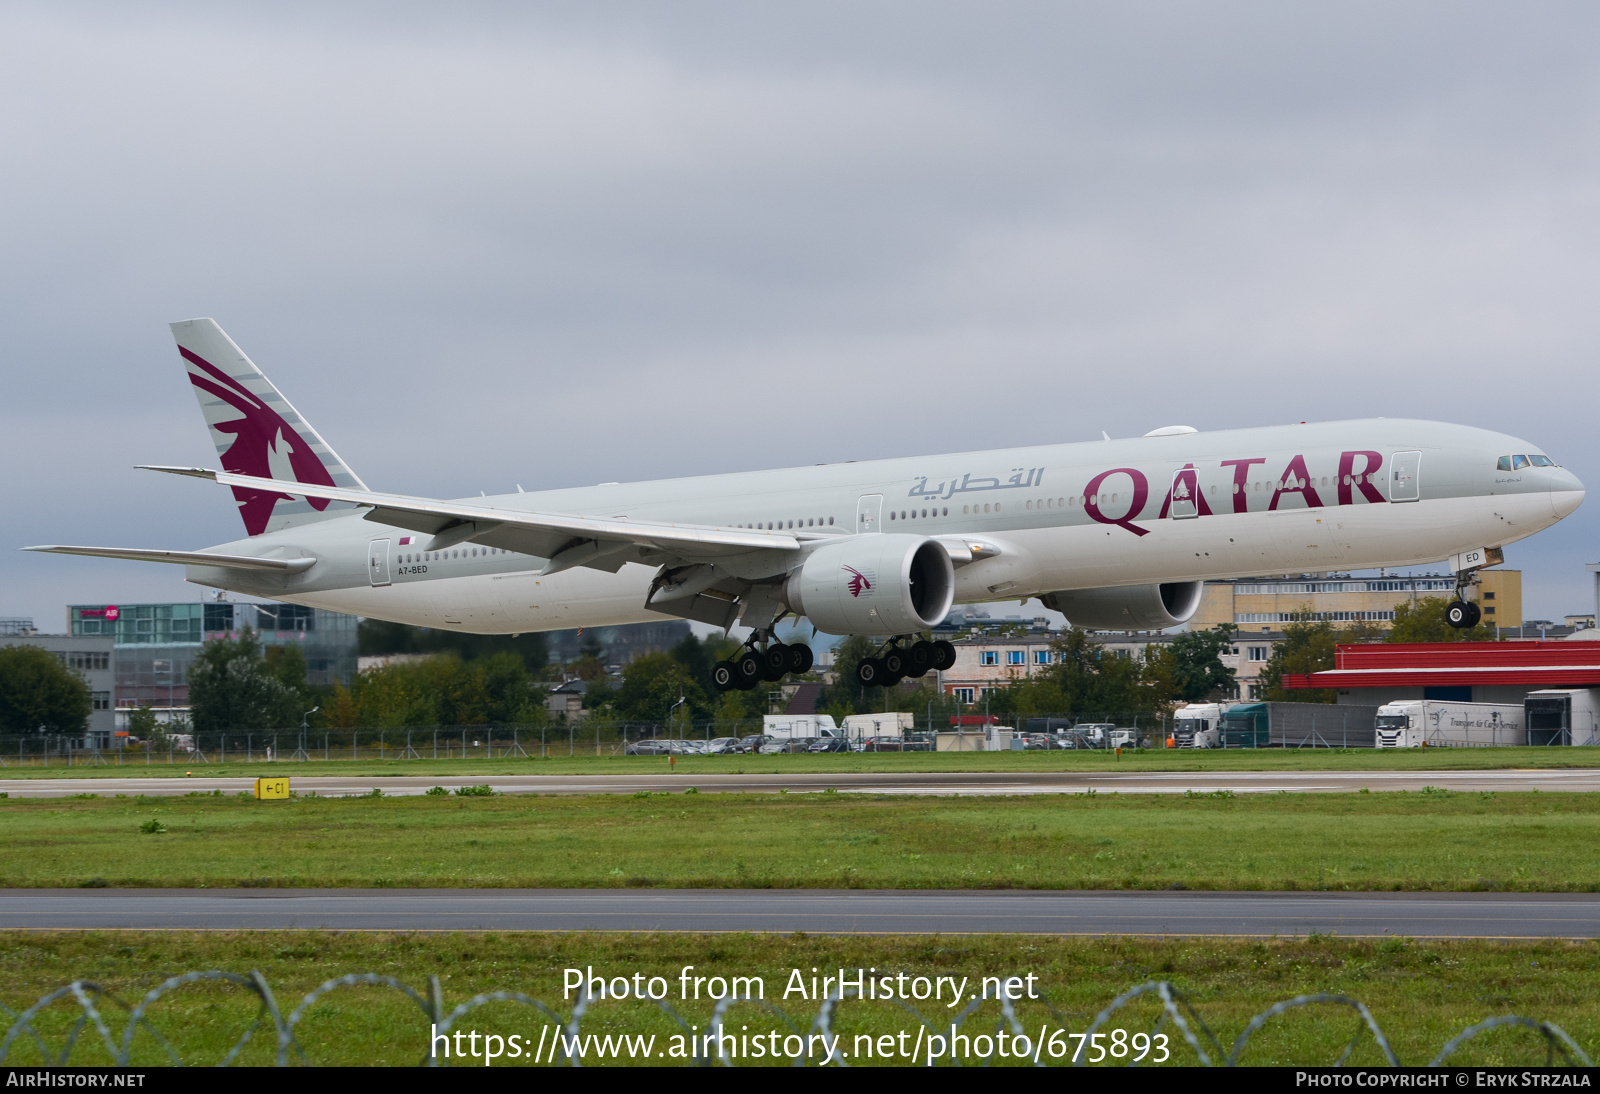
1563	716
790	727
1198	725
1436	723
893	724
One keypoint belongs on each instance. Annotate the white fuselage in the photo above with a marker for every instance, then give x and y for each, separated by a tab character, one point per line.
1310	497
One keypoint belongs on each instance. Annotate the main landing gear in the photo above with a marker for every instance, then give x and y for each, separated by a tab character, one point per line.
896	661
756	664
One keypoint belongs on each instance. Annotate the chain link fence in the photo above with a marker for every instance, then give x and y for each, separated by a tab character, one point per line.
586	737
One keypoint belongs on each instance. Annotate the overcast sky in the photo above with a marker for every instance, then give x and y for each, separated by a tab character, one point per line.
565	244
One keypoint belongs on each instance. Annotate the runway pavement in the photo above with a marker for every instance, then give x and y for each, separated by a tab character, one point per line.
931	782
1162	914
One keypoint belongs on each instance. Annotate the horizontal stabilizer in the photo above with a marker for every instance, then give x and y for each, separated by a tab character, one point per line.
185	558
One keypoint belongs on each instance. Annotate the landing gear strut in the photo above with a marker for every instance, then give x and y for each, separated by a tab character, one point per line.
896	660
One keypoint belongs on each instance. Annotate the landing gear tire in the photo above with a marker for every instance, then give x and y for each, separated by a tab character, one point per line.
870	673
894	663
774	662
800	659
919	658
748	668
724	676
944	655
1462	614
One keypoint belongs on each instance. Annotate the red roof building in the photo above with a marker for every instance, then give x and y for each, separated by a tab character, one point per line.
1483	672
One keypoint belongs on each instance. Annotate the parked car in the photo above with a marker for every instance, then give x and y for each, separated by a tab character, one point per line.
646	748
719	746
774	746
828	744
753	742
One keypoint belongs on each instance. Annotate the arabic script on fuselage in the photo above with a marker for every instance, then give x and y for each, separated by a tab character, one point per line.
1022	478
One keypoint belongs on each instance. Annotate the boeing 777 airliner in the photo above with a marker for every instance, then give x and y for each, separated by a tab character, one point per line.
1115	534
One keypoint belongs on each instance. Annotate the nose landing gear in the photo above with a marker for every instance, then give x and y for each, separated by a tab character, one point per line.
1462	613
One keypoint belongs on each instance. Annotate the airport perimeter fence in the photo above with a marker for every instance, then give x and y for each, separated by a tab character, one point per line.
1190	1040
586	737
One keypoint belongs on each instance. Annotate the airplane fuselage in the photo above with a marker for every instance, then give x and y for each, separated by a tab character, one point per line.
1180	507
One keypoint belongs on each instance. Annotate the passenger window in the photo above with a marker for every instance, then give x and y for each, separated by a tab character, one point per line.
1542	461
1518	462
1503	464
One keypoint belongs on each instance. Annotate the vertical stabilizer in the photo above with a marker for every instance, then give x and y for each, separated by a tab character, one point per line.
257	431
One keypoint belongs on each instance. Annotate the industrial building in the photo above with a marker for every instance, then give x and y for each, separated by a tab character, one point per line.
1468	672
1263	604
92	657
154	644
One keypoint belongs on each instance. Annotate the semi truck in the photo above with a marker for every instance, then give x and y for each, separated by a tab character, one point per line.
1198	725
1436	723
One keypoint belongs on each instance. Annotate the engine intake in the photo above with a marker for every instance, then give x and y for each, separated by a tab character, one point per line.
1128	607
874	585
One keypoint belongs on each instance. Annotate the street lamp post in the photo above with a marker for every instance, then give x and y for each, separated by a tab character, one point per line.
300	753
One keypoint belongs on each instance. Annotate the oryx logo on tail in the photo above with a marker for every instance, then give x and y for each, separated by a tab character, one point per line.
859	583
256	431
261	438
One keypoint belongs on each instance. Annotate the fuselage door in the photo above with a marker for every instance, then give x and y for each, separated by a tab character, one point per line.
1403	481
378	562
869	513
1185	486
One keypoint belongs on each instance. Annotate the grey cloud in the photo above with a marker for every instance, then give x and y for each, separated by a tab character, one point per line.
572	243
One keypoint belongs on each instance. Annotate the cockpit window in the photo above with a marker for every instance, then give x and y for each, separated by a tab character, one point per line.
1504	464
1542	461
1518	462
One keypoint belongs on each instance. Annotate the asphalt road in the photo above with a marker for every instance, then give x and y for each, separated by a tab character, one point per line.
932	782
1449	915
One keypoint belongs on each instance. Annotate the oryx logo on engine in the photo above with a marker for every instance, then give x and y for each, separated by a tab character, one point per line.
861	582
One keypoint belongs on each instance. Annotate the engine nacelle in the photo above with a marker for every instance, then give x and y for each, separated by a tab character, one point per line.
1128	607
875	585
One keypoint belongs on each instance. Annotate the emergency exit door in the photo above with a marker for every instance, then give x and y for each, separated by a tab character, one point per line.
378	562
1403	469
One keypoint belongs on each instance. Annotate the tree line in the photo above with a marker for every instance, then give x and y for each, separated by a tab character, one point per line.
237	685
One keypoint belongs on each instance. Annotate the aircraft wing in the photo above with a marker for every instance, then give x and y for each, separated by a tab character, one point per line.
566	540
184	558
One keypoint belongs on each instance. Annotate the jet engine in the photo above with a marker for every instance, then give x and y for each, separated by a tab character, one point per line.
1128	607
874	585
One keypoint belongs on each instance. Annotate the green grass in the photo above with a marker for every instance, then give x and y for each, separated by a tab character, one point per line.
1366	759
1421	993
1432	840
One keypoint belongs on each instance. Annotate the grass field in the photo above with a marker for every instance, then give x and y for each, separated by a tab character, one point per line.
1432	840
1323	759
1420	993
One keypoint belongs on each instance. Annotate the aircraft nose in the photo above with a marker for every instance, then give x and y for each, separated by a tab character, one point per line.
1566	492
